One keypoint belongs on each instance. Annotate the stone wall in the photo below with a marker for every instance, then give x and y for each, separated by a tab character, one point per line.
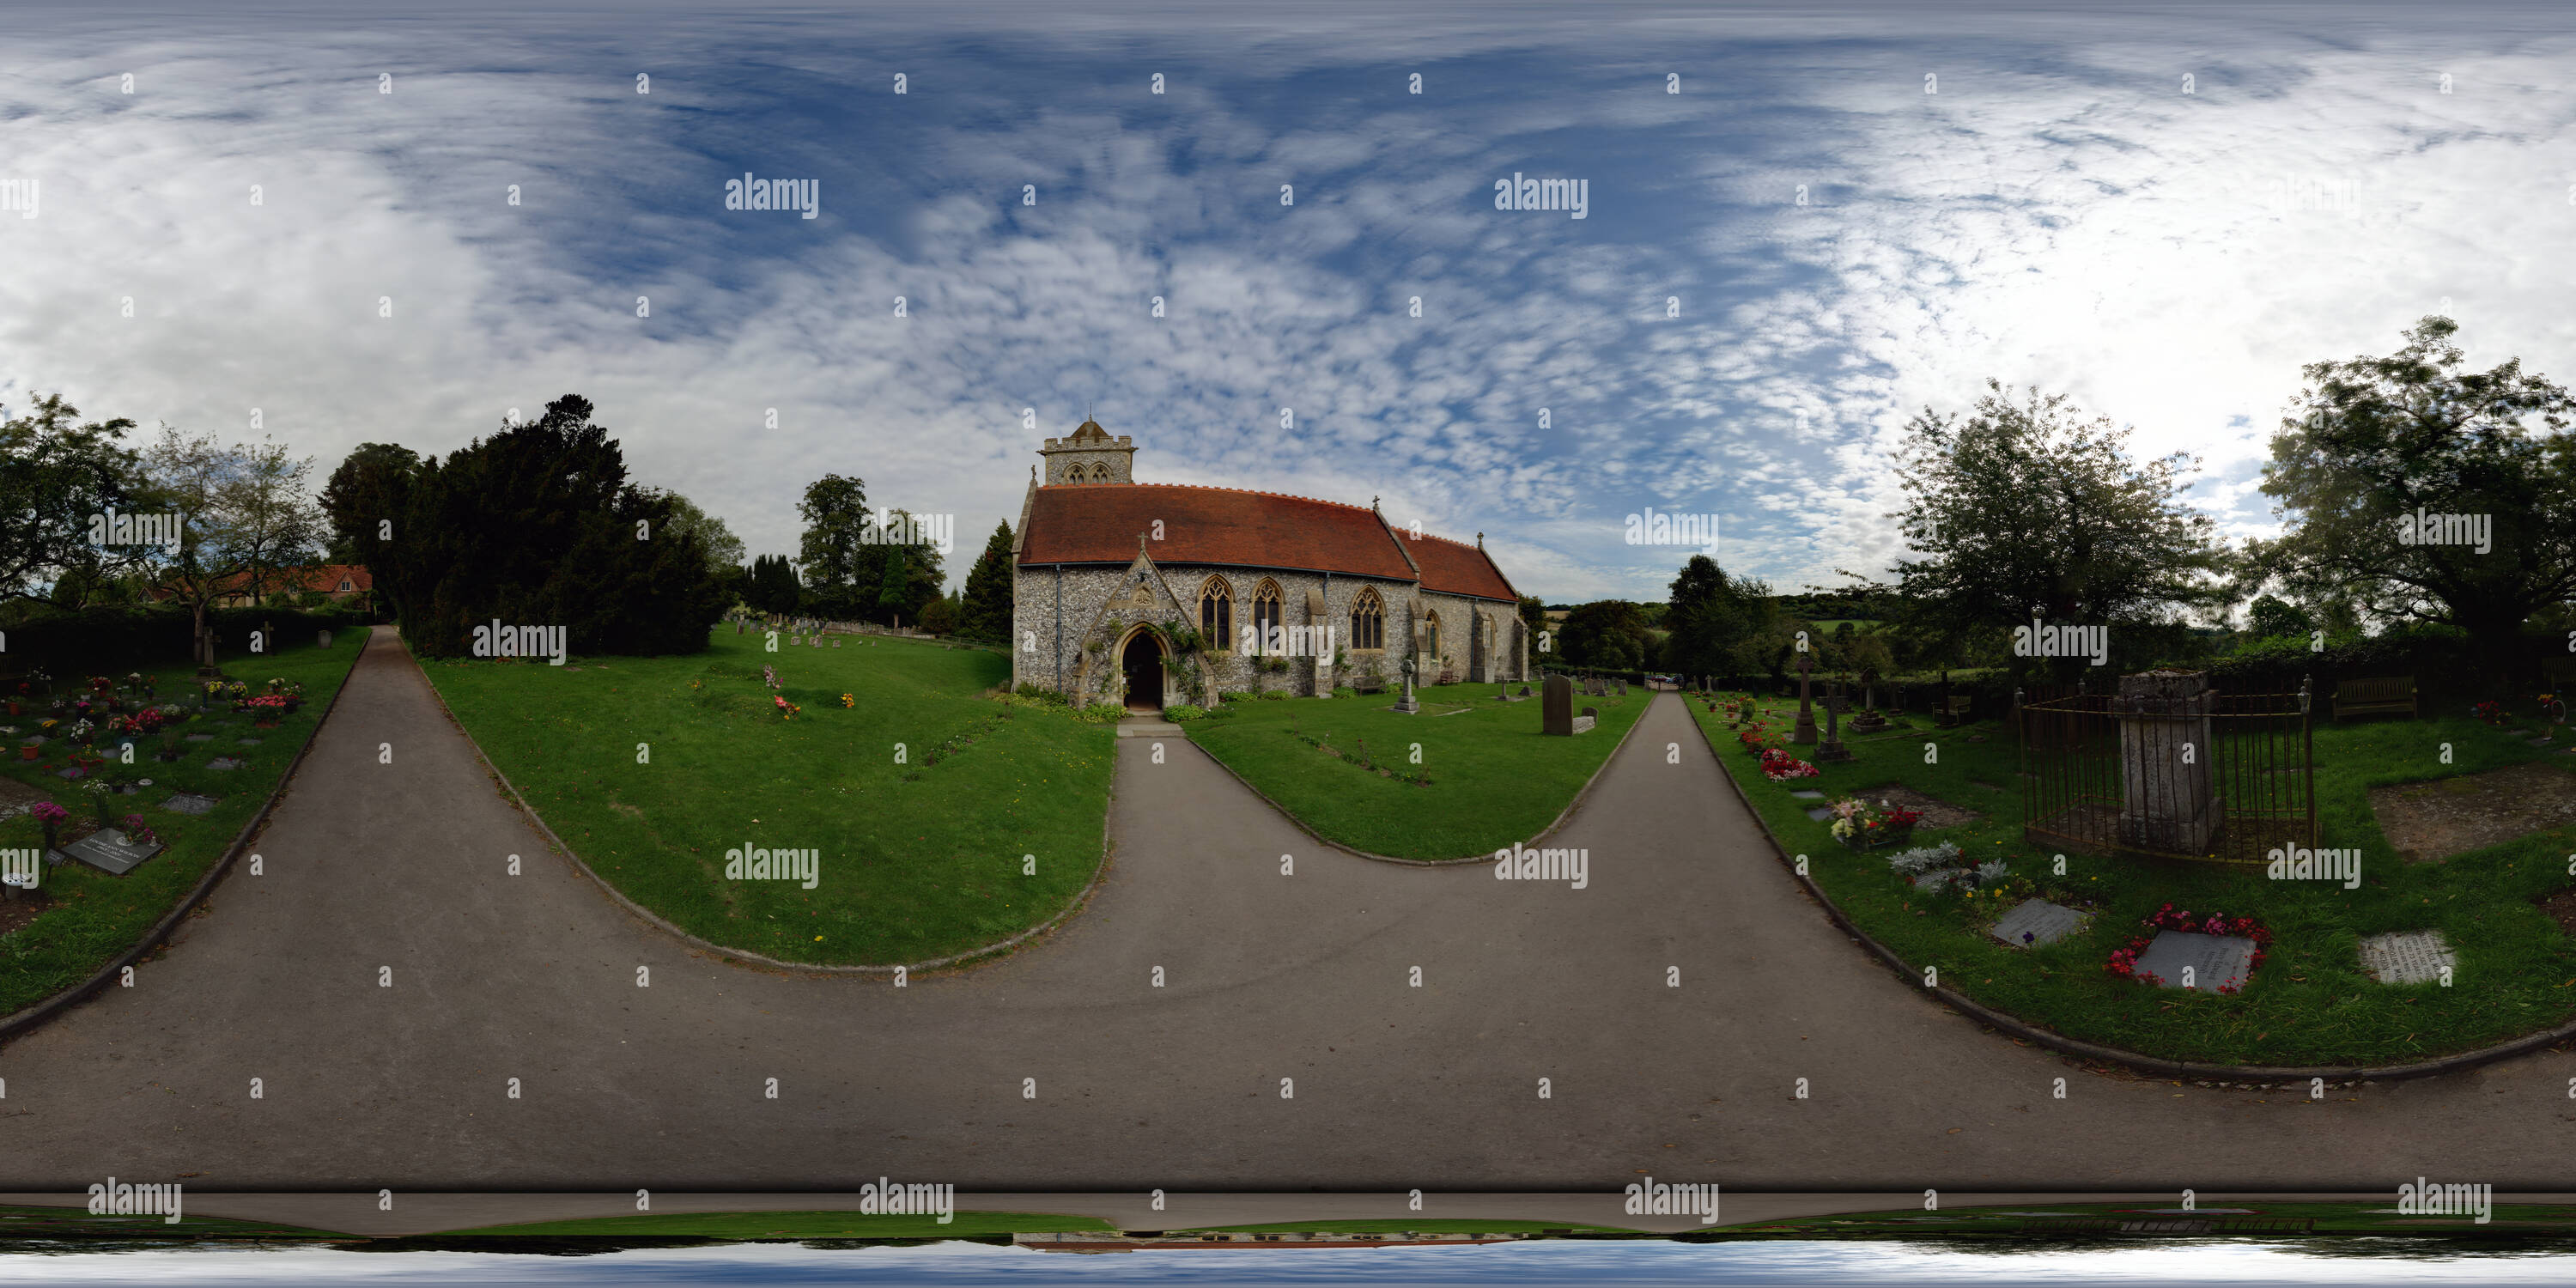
1037	650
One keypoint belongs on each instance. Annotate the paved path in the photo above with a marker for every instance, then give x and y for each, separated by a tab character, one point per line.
1305	977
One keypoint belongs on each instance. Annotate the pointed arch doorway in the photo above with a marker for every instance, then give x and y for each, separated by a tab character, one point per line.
1141	660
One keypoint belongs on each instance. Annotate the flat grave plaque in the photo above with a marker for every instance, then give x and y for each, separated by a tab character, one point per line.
2408	957
2042	921
188	803
71	773
1821	813
101	850
1807	796
2215	961
223	762
201	737
247	742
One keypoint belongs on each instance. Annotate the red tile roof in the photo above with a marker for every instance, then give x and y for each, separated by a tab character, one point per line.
1098	523
1456	568
289	581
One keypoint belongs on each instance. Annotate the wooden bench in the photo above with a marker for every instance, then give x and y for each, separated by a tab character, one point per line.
2380	694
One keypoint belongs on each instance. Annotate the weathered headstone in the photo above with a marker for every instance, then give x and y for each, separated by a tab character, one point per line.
108	851
1583	723
2408	957
1623	688
188	803
1805	732
1556	706
2034	922
2213	961
1525	691
323	639
2165	760
223	763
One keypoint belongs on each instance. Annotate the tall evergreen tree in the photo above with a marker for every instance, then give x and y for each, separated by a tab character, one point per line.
985	612
539	525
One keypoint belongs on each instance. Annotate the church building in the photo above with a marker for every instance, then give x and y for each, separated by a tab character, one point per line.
1159	594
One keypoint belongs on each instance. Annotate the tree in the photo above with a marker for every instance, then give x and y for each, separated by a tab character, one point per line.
1712	618
891	598
772	585
839	560
2376	443
2025	509
1609	634
539	525
984	612
2270	616
246	516
57	479
723	550
939	616
363	498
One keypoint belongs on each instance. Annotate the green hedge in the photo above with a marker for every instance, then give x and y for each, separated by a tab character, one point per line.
124	638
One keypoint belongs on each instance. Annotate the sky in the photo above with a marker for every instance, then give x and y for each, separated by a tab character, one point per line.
1802	227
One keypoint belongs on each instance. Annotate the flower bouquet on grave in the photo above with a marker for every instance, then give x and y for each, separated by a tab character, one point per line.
50	816
2488	712
137	832
266	710
1779	766
1859	826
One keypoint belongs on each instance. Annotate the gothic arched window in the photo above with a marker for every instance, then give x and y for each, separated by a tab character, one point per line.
1216	613
1368	620
1267	621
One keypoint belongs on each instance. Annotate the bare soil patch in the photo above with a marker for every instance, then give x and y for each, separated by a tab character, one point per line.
2429	822
1936	813
2561	908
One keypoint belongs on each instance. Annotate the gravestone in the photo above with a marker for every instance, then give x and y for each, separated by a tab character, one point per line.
247	742
104	851
2034	922
2408	957
1623	688
1805	732
1832	749
737	628
2169	805
2215	961
1821	813
188	803
201	737
1524	691
323	639
1807	796
1556	706
1583	723
1407	704
836	641
223	763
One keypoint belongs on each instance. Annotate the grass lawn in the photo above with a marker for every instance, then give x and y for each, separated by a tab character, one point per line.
802	1225
77	1223
1417	1225
2309	1003
918	860
88	916
1495	779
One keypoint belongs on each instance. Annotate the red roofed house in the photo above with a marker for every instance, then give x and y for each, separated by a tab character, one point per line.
338	583
1285	593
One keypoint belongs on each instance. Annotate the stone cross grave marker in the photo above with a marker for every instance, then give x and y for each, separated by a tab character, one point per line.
2408	957
2215	961
2043	922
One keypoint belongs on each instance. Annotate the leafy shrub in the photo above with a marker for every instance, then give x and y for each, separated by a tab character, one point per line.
1184	712
1924	858
1346	691
1274	695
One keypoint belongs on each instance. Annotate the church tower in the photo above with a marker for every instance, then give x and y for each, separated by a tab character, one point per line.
1089	455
